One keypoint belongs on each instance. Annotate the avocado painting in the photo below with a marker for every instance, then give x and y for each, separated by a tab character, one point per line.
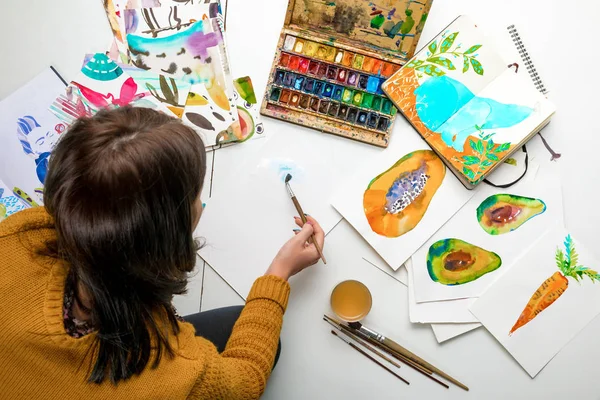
456	262
484	239
504	213
396	200
540	304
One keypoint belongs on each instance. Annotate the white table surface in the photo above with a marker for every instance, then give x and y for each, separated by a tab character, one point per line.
562	41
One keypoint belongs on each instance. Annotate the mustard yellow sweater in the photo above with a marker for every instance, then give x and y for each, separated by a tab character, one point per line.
38	360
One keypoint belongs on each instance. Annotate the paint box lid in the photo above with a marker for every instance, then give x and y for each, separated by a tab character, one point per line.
389	28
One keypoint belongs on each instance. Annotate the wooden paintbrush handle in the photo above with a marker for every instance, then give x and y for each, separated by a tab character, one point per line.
312	237
413	357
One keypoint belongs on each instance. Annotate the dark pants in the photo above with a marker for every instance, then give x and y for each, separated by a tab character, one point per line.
217	325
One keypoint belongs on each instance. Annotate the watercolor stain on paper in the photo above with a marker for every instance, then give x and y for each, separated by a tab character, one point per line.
281	167
556	285
456	262
504	213
396	200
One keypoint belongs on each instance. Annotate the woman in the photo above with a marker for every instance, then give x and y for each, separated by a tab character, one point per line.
86	283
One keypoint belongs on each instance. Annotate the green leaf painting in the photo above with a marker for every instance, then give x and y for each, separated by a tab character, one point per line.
442	57
477	67
433	47
447	43
442	62
430	70
484	155
473	49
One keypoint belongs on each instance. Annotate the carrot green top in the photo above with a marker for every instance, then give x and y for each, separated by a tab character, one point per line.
567	263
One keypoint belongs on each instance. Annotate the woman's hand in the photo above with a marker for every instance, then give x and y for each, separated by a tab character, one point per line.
298	253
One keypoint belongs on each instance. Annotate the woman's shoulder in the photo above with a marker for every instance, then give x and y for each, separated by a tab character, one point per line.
30	220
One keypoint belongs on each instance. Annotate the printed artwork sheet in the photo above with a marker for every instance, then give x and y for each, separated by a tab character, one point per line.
30	132
247	221
400	197
485	238
544	301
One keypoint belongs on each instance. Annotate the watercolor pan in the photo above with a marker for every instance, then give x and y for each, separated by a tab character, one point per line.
284	60
294	63
334	108
309	85
347	96
327	90
313	67
275	94
299	46
310	49
299	82
376	103
324	106
337	93
322	70
332	72
294	99
362	117
352	114
279	77
319	87
347	60
289	79
304	100
372	120
285	96
303	66
328	71
314	104
343	112
363	80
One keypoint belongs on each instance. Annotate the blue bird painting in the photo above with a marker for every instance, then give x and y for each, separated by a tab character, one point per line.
448	107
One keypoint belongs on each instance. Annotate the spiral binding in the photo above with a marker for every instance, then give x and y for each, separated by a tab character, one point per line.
535	77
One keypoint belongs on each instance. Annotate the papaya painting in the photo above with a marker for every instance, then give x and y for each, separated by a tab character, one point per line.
456	262
396	200
555	286
504	213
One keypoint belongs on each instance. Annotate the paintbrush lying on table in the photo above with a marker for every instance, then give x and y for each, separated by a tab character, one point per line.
395	350
288	178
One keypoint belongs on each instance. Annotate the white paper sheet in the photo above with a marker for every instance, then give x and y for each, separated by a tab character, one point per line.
30	132
448	199
445	332
249	220
534	344
465	226
451	311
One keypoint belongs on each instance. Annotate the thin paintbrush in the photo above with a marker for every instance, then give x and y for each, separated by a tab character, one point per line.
419	368
288	178
364	344
361	351
395	348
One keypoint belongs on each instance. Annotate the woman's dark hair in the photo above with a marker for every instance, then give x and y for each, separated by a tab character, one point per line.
121	188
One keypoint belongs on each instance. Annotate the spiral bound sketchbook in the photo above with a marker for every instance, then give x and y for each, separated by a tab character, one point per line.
473	107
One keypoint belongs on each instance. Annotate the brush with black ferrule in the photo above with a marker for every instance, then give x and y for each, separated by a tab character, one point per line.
288	178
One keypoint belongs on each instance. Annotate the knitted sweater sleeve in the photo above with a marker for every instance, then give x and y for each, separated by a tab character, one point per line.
242	370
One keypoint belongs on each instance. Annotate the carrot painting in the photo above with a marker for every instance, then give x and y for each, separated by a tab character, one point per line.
557	284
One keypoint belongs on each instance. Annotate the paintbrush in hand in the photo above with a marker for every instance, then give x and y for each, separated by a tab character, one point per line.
288	178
